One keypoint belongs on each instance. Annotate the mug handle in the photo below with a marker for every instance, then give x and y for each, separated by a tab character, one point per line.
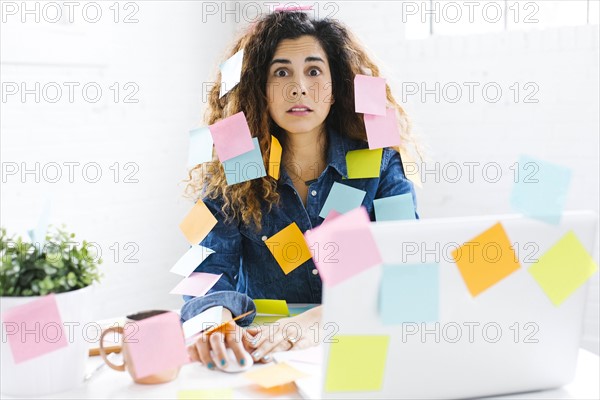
119	330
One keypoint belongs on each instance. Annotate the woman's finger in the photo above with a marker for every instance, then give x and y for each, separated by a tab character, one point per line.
217	344
232	340
203	349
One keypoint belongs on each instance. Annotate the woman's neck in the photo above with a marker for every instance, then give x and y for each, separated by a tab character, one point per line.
305	153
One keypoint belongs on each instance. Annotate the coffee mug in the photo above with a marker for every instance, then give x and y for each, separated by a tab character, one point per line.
128	364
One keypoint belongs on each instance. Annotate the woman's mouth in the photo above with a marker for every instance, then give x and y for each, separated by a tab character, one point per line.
299	111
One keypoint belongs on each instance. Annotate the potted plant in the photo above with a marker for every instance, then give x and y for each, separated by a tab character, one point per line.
62	266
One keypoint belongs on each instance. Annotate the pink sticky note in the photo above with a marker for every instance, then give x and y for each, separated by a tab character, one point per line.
290	8
34	329
156	344
382	131
197	284
331	216
345	246
369	95
231	136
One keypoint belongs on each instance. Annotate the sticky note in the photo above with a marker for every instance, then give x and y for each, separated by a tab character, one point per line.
343	247
274	375
394	208
275	157
41	320
364	163
342	198
369	95
245	167
231	136
197	284
205	394
208	318
289	248
540	189
486	259
563	268
231	72
191	260
331	216
271	307
345	373
156	344
409	293
201	145
197	223
382	131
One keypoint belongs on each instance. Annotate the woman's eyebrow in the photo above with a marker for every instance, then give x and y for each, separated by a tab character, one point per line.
306	60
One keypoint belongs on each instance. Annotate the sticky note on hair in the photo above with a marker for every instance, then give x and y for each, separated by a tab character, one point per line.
382	130
231	72
231	136
395	208
364	163
201	145
342	198
245	167
197	223
275	157
369	95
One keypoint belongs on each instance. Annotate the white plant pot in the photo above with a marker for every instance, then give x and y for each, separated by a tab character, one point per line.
59	370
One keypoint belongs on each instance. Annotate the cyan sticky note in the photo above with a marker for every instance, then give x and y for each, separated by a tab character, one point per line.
394	208
342	198
245	167
540	189
201	145
409	293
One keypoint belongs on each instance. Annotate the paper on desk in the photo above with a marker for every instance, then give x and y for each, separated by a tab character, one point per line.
271	307
369	95
382	131
40	315
394	208
274	375
191	260
207	319
289	248
562	269
197	284
486	259
275	158
364	163
201	145
197	223
231	136
231	72
246	166
342	198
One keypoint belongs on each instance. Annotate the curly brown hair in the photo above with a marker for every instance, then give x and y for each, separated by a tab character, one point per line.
347	57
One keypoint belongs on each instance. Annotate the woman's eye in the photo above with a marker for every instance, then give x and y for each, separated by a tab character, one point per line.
316	71
280	73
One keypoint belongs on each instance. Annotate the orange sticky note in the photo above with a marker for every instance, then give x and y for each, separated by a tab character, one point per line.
274	375
289	248
486	259
275	157
198	223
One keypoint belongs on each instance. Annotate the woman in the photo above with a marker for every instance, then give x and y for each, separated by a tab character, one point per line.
297	85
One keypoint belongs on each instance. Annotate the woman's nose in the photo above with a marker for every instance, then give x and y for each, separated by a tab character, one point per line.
298	87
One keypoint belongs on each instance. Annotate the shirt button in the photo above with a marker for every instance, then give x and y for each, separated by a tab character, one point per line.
314	193
315	271
264	238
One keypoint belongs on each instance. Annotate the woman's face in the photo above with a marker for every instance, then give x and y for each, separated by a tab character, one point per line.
299	85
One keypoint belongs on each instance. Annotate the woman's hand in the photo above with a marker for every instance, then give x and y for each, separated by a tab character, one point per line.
262	341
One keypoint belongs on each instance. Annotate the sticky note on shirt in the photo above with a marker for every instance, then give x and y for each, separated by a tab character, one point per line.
395	208
205	394
364	163
197	223
540	189
274	375
343	247
231	136
271	307
345	373
382	130
231	72
369	95
563	268
275	158
201	145
342	198
197	284
245	167
486	259
207	319
41	319
289	248
191	260
409	293
331	216
156	344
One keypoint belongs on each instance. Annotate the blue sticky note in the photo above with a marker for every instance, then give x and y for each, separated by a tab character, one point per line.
342	198
245	167
201	145
409	293
540	189
394	208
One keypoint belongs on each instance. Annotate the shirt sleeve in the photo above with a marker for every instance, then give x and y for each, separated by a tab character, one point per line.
225	240
392	180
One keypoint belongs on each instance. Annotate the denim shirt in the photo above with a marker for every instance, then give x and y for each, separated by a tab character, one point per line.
249	269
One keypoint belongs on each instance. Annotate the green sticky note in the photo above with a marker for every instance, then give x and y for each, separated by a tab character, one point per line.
271	307
208	394
363	163
563	269
356	363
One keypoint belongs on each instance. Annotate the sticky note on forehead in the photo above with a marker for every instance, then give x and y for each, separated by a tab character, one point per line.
231	136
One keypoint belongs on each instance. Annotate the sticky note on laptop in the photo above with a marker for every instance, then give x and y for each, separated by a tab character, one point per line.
394	208
197	223
364	163
271	307
369	95
245	167
231	136
342	198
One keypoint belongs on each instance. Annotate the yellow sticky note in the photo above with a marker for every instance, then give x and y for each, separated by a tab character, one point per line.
271	307
275	157
198	223
289	248
274	375
356	363
563	268
205	394
364	163
486	259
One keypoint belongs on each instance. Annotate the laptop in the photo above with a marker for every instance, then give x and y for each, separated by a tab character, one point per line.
511	337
